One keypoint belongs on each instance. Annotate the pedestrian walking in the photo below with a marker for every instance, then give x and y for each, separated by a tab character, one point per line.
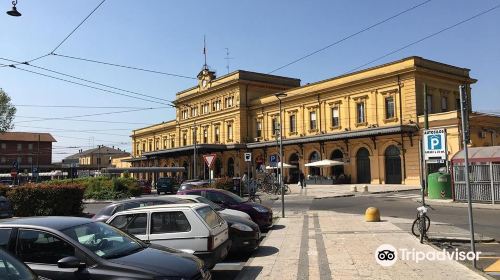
302	180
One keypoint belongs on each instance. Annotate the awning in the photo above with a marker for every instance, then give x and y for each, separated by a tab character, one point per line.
142	170
479	154
325	162
339	136
200	149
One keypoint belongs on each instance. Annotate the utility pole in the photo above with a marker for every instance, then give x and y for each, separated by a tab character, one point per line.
194	159
424	163
464	109
37	159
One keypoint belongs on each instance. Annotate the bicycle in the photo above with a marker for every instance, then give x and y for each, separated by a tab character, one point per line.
422	223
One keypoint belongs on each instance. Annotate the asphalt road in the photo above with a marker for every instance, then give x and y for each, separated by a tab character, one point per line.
486	221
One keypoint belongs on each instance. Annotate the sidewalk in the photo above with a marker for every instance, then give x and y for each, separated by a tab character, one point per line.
330	245
326	191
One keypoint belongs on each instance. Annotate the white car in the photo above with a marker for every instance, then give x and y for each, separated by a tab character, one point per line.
193	228
216	207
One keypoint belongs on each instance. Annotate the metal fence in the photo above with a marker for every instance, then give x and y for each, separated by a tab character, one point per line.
484	182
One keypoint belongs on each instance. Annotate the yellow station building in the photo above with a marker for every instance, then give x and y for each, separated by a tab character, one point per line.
372	120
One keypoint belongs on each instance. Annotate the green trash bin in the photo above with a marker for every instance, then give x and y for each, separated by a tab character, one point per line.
439	185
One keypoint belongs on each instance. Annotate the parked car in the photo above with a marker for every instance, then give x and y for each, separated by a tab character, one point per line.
66	248
260	214
6	210
166	185
193	184
243	232
145	186
126	204
12	268
193	228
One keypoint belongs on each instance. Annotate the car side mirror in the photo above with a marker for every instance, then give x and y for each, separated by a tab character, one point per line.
70	262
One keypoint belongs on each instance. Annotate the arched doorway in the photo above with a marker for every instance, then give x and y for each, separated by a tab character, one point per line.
218	168
392	165
337	169
185	172
230	167
314	171
293	174
363	166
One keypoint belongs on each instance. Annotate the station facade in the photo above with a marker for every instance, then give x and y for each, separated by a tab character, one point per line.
371	120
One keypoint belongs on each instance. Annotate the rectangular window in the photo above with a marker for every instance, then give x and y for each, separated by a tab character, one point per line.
429	104
312	120
194	111
134	224
209	216
444	103
275	126
360	112
229	132
335	117
216	130
168	222
19	160
259	129
184	139
2	160
143	147
389	107
165	143
30	147
30	160
293	123
19	147
157	144
205	135
3	146
172	143
457	104
33	247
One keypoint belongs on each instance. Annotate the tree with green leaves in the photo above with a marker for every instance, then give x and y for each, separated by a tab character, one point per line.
7	112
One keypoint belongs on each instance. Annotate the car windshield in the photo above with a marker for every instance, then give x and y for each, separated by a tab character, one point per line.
214	206
234	197
11	268
104	240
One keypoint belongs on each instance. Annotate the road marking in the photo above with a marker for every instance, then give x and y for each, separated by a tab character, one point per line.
495	267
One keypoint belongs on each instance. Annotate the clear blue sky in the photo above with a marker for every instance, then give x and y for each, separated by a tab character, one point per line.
261	36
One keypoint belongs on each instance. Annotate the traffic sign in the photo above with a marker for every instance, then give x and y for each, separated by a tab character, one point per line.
435	144
13	173
209	159
248	156
273	158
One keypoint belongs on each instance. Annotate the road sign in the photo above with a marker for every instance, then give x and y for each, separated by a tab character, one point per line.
248	156
273	158
435	144
13	173
209	159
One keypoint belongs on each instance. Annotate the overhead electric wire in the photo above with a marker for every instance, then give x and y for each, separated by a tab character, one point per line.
85	80
78	106
78	26
88	86
58	130
124	66
98	140
91	115
350	36
426	37
90	121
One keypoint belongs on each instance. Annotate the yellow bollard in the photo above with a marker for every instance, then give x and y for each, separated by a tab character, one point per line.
372	214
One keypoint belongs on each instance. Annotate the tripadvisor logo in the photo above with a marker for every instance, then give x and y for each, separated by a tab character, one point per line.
387	255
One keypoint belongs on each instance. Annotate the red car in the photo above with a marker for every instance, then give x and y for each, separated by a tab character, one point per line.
145	186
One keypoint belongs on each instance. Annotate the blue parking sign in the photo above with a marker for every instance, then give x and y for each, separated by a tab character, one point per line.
435	144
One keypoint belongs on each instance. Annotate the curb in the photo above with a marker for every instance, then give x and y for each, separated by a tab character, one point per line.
460	239
460	204
466	264
335	196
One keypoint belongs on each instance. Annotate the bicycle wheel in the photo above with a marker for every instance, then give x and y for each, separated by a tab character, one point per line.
415	228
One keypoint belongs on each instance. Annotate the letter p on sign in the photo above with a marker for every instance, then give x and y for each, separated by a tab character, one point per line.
434	142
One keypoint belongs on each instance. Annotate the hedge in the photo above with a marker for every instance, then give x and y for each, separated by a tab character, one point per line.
47	200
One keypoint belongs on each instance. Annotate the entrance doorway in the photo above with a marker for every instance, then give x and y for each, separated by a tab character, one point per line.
363	166
230	167
337	169
293	173
313	170
392	165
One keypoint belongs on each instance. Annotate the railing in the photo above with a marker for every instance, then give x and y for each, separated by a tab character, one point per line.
484	182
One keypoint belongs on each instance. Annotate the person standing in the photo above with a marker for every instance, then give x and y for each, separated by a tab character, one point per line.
302	180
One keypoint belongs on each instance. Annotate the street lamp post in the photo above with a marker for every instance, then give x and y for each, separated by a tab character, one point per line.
281	95
194	141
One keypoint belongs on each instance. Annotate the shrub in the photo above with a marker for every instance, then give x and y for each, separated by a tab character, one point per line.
3	190
47	199
225	183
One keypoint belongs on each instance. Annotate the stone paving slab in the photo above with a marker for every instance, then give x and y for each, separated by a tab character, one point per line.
331	245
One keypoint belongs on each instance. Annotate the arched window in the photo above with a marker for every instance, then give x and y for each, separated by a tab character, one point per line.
363	166
230	167
314	171
392	165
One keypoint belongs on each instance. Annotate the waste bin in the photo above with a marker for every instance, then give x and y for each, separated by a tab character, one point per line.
439	185
236	185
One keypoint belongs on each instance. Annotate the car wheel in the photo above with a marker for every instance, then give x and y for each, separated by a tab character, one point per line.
158	192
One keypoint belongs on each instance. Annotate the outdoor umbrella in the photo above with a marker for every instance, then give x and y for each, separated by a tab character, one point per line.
278	166
325	162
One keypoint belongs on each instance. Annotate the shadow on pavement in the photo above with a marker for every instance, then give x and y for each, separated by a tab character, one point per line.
249	272
278	227
265	251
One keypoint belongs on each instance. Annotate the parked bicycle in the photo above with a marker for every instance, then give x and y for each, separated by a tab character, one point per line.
422	223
